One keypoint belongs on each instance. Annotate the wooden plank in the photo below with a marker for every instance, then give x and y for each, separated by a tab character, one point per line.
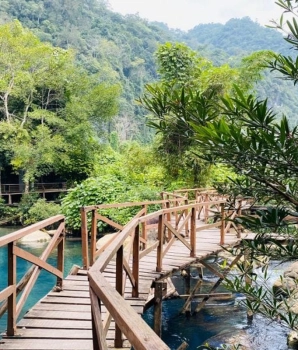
42	344
76	278
69	293
40	333
64	300
62	307
62	324
61	315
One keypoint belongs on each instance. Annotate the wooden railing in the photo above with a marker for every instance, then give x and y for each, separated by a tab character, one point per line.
8	296
19	188
172	221
90	255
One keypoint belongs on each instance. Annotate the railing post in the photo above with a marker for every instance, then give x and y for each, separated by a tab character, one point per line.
119	288
160	245
223	225
193	232
93	237
239	213
135	262
144	229
206	208
84	234
60	260
12	280
186	225
168	205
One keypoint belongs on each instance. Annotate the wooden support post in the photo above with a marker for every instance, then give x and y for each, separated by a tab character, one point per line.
223	224
160	245
12	280
193	232
60	261
135	262
98	336
84	234
158	307
217	283
239	213
93	237
248	271
186	276
186	306
183	346
119	288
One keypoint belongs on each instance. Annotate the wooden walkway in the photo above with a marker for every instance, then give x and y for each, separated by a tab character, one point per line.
62	319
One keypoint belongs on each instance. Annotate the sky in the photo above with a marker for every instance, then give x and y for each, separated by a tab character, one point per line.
186	14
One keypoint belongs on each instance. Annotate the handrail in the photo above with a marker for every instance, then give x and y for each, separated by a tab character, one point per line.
39	186
25	285
127	266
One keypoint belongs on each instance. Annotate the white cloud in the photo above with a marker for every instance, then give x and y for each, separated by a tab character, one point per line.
185	14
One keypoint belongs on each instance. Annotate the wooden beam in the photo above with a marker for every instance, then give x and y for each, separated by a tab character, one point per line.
177	234
98	335
217	283
190	297
37	261
158	293
138	333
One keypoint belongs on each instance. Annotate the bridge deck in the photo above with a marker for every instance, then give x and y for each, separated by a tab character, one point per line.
62	320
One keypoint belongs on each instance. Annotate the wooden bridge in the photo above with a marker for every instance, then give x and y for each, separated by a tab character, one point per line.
99	306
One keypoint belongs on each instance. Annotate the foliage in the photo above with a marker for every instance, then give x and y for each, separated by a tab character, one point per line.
245	135
26	203
131	174
119	49
41	210
176	103
100	190
50	107
5	210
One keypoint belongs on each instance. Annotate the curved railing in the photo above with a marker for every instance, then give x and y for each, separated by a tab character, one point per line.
8	296
172	221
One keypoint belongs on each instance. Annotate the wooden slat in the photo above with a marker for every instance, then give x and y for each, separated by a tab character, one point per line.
52	344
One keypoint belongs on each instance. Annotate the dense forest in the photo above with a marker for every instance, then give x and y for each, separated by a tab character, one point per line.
74	78
120	49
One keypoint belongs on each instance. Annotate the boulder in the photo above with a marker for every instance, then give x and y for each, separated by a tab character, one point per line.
232	338
37	236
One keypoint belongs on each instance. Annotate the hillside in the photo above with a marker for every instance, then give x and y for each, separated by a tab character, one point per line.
120	48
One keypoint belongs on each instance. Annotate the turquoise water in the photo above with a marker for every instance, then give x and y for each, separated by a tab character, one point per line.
211	324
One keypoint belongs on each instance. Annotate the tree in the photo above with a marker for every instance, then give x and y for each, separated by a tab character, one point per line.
244	133
189	91
50	109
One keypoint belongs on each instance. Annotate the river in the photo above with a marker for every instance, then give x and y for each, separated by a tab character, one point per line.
215	323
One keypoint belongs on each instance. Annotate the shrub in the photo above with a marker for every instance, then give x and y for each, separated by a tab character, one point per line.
42	210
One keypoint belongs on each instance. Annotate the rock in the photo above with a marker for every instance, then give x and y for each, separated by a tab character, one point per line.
104	240
108	238
37	236
288	283
292	340
235	338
